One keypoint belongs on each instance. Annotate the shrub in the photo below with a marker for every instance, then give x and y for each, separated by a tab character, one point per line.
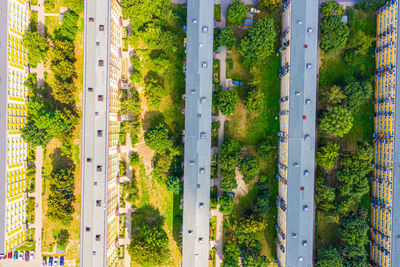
227	101
226	204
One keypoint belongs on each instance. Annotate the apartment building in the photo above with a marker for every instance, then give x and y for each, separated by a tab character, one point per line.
385	203
100	162
14	19
297	117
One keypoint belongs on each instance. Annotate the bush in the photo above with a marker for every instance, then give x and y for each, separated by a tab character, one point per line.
227	38
264	149
134	159
237	12
227	101
226	204
249	167
62	238
157	138
174	185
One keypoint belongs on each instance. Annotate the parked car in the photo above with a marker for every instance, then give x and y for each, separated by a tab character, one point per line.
32	255
62	261
55	261
2	256
21	255
51	261
15	255
237	82
10	255
26	255
44	261
231	194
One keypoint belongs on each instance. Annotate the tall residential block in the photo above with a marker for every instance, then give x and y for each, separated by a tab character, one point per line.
14	19
100	133
197	156
385	203
297	119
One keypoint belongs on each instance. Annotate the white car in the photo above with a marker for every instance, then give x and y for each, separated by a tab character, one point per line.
55	262
32	255
21	255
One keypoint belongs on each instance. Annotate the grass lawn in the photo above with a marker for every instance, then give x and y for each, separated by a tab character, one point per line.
51	23
332	71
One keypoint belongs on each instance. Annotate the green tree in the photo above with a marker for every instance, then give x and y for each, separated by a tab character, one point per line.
334	34
228	182
174	184
254	260
157	138
160	61
264	149
357	93
134	159
249	167
263	202
337	121
37	47
331	8
359	41
325	195
227	101
154	92
226	204
259	44
62	238
67	31
231	254
354	230
227	38
237	12
131	104
328	257
332	96
356	256
255	101
327	156
229	155
150	246
270	4
35	136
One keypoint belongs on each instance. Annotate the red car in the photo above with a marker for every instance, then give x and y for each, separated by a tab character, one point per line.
10	254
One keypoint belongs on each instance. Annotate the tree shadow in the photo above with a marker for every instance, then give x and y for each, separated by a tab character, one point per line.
152	118
61	161
146	215
177	220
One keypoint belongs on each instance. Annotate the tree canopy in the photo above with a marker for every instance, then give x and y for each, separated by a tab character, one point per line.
327	156
334	34
337	121
150	246
37	47
328	257
259	44
332	96
227	101
357	93
270	4
254	102
237	12
174	184
229	155
227	38
226	204
250	167
354	230
331	8
157	138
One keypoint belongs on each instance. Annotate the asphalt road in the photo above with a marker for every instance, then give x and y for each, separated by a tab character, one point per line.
197	157
94	147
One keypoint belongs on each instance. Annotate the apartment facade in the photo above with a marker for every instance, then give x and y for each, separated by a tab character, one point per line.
385	203
101	126
297	116
14	19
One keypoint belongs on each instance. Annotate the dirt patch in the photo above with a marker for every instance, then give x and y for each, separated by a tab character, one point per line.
241	189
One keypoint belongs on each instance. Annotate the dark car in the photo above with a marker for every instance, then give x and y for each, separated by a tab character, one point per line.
15	255
51	261
62	261
26	255
44	261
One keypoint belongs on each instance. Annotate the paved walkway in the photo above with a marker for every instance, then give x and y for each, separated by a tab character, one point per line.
38	200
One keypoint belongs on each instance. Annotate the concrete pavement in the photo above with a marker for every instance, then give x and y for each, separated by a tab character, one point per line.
38	200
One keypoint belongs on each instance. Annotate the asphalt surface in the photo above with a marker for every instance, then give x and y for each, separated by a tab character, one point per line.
395	255
94	180
304	15
197	157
